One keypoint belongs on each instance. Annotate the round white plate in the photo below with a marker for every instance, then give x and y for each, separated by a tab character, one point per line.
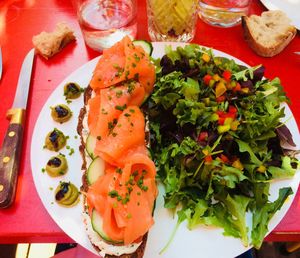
290	7
202	242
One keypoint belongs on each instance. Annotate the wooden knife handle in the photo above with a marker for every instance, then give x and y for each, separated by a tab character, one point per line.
10	156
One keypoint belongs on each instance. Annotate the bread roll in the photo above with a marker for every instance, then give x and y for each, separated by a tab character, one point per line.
269	33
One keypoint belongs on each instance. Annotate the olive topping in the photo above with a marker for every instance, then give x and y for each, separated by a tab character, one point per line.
61	113
66	194
55	140
72	90
57	166
54	162
63	189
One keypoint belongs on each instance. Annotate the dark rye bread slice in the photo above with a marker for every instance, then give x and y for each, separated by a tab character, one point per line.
87	95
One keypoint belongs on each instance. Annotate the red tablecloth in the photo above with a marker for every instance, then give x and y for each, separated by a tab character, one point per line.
27	220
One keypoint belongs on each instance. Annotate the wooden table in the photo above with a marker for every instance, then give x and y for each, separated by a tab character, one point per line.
27	220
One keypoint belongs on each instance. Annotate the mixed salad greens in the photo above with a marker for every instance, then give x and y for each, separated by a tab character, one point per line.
216	138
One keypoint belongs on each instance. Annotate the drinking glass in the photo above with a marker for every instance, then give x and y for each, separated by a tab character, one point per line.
172	20
226	13
105	22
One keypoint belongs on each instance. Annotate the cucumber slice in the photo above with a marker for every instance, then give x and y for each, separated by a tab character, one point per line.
90	145
95	170
147	46
97	225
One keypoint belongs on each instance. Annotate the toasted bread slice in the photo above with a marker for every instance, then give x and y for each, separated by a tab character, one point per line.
50	43
81	130
269	33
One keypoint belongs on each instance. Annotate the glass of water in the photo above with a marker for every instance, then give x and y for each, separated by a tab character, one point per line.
105	22
226	13
172	20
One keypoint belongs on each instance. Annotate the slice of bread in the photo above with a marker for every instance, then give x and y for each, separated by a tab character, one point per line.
50	43
92	235
269	33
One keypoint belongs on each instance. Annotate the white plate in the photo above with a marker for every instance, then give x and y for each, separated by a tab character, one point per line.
203	241
290	7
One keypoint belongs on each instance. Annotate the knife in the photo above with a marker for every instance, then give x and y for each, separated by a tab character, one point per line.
10	153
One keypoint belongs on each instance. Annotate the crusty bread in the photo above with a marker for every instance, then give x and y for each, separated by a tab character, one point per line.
269	33
50	43
139	253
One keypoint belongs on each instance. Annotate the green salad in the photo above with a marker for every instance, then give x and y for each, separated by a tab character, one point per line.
216	138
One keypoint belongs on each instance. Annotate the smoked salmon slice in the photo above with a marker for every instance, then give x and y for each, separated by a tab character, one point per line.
124	197
139	67
108	70
128	132
93	114
123	62
111	102
125	194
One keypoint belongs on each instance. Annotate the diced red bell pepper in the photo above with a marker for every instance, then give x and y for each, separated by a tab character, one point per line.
208	159
226	75
202	136
224	158
207	78
237	87
232	109
221	120
231	115
221	113
220	99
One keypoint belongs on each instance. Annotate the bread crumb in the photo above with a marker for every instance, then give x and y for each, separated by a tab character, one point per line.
50	43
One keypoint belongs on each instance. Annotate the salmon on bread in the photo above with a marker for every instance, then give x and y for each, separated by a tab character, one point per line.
118	181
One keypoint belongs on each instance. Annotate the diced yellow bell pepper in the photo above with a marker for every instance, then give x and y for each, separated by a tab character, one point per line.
206	101
205	57
245	90
261	169
234	125
223	128
216	77
211	83
228	121
220	89
238	164
205	152
233	84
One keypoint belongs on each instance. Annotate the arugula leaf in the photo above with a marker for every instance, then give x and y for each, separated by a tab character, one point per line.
244	147
236	207
195	214
263	215
286	169
242	75
261	193
229	176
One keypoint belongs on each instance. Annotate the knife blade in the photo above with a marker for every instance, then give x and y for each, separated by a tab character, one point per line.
10	152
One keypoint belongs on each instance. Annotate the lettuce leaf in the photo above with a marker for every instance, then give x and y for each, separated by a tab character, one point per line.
263	215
